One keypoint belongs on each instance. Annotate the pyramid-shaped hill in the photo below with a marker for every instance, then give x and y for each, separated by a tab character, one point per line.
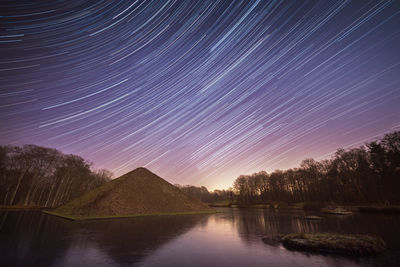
137	193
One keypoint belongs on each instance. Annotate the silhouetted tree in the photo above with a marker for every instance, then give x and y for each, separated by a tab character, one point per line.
34	175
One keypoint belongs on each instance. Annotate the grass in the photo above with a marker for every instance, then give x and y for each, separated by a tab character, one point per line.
334	243
88	198
80	218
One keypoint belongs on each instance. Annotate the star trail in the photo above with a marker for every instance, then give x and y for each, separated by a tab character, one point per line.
199	92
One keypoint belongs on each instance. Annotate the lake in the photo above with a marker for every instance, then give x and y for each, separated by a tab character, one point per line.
231	237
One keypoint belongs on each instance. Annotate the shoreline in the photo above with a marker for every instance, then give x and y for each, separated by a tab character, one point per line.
373	208
362	208
83	218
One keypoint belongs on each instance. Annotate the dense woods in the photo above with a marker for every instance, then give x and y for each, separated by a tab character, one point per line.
202	193
368	174
37	176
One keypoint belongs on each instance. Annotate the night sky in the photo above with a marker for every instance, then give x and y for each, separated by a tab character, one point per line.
199	92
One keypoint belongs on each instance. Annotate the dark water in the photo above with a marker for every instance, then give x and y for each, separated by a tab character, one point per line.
233	237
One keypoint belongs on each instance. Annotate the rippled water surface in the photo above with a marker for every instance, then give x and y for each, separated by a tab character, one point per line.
232	237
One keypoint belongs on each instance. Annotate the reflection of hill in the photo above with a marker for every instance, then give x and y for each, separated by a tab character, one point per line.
35	239
129	240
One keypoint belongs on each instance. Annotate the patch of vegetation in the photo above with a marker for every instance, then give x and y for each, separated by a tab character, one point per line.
79	218
336	211
80	204
334	243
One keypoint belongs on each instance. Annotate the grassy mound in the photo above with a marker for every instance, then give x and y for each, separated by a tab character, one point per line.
137	193
334	243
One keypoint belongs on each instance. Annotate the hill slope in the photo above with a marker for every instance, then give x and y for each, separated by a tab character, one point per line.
137	192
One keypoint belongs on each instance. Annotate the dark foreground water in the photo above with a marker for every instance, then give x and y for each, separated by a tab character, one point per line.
233	237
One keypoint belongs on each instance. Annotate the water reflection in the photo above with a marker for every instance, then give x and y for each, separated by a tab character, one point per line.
234	236
127	241
35	239
271	225
26	236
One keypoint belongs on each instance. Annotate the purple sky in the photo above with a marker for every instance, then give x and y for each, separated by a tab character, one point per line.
199	92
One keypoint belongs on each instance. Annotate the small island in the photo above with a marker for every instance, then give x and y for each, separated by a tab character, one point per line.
347	244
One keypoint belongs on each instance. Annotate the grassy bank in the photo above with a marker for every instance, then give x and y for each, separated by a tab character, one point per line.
224	203
79	218
269	205
377	208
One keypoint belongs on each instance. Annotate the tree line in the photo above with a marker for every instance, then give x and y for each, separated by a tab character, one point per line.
38	176
367	174
201	193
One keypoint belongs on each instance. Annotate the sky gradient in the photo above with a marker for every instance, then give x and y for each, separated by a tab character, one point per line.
199	92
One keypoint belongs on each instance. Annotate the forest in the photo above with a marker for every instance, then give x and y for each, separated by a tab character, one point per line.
369	174
38	176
